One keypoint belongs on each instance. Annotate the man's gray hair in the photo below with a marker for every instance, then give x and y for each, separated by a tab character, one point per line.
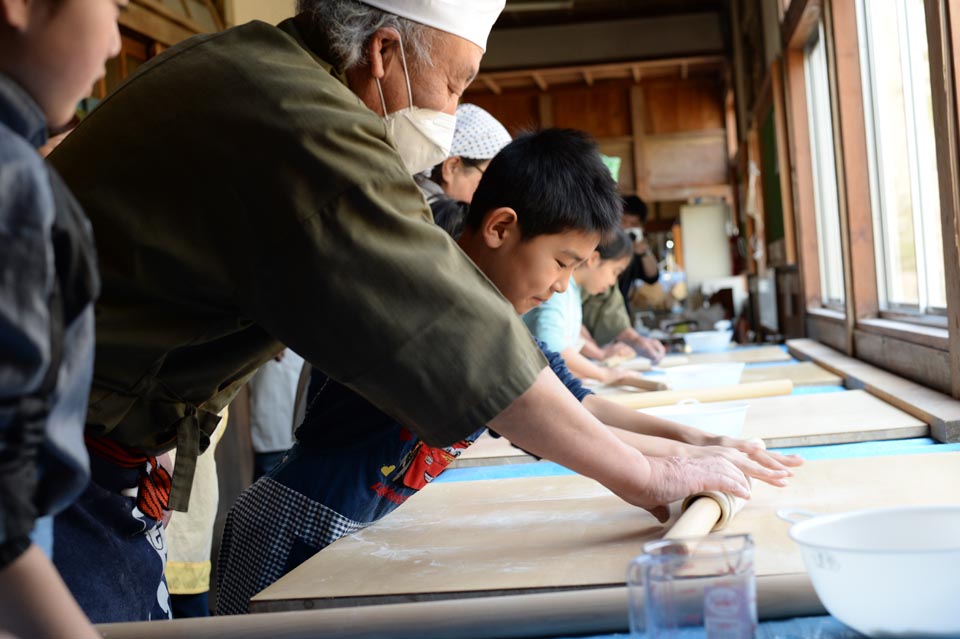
349	25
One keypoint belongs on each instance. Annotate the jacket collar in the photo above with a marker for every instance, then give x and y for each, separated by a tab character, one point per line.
20	113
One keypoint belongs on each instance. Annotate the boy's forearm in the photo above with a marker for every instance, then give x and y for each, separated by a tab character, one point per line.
651	445
581	367
630	420
36	602
548	421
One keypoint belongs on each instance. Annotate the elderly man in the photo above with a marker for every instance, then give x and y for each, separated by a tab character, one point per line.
245	169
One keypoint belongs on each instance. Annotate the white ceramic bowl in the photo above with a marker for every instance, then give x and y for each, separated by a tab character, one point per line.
726	419
708	341
693	376
885	572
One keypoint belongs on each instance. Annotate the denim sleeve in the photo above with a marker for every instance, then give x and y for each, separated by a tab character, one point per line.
26	281
558	366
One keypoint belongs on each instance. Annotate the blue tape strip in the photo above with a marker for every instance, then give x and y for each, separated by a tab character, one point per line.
545	468
815	390
800	628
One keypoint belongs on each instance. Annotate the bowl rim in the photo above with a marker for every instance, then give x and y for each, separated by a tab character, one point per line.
827	519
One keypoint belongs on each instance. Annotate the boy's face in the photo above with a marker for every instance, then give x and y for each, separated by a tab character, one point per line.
60	49
526	272
597	279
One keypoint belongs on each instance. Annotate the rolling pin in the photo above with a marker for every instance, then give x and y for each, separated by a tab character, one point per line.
642	383
717	394
706	512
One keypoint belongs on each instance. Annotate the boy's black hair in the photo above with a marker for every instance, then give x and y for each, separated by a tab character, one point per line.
555	180
449	214
615	245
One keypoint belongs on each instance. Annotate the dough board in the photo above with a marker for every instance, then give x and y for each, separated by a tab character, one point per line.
785	420
748	355
801	374
545	534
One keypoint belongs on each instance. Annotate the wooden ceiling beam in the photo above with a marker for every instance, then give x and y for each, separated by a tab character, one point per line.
491	84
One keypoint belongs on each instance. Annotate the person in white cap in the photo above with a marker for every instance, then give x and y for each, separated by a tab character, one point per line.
478	137
251	189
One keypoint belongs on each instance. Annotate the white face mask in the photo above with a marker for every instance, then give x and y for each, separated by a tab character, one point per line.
423	136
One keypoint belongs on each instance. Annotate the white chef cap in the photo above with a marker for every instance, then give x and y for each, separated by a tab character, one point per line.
469	19
479	135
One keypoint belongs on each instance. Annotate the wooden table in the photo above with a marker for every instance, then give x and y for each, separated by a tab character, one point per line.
801	374
549	534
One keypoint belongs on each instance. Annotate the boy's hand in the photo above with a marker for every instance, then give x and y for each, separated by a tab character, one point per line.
652	348
766	468
756	450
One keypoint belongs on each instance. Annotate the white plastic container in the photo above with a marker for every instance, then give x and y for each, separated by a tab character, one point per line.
719	419
708	341
885	572
693	376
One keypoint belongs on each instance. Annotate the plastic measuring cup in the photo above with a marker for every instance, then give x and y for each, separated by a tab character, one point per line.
704	582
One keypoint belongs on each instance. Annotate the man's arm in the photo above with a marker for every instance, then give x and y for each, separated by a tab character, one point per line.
548	421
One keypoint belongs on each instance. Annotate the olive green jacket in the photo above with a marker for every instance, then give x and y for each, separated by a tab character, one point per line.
605	314
243	197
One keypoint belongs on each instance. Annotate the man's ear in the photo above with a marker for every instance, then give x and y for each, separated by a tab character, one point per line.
499	225
449	167
382	50
16	13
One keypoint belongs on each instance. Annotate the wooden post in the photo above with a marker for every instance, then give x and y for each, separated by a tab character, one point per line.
637	118
942	20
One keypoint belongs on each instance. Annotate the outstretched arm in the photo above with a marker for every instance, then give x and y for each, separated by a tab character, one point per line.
548	421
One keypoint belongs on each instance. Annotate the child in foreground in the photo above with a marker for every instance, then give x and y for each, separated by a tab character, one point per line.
51	53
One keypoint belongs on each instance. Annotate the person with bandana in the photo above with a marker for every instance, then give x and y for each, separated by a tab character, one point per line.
252	188
478	137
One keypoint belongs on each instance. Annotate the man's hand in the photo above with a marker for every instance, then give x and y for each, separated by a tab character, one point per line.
673	478
763	467
645	346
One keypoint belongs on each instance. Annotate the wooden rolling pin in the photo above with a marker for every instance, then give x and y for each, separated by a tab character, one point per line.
553	614
706	512
642	383
717	394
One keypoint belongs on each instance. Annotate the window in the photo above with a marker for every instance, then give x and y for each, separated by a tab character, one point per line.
905	195
824	169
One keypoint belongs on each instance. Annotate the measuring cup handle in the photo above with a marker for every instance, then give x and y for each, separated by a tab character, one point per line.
795	515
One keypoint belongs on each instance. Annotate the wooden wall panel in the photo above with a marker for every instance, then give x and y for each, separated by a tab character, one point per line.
602	109
686	159
517	110
673	107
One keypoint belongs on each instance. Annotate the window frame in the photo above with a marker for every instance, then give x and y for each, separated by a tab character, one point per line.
931	336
